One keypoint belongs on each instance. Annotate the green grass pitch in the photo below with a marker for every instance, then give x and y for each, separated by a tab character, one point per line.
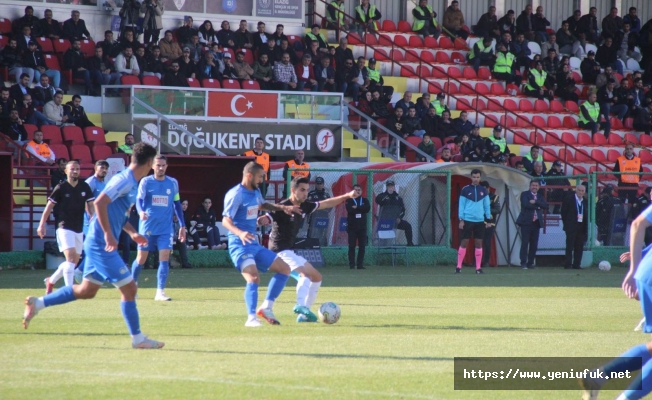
399	331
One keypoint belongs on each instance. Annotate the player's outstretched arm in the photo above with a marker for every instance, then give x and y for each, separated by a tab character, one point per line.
277	207
332	202
637	234
44	219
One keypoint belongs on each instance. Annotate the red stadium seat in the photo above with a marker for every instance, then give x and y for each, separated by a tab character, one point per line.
645	156
572	106
72	135
389	26
576	77
371	40
129	80
381	55
454	72
458	57
4	40
629	123
94	135
396	55
557	107
484	74
5	25
579	170
550	155
646	140
61	45
82	153
51	134
384	40
585	92
514	160
616	123
460	43
52	62
230	51
509	104
510	122
211	83
401	41
566	155
434	87
250	85
292	39
230	84
584	139
88	48
511	88
463	104
60	150
101	152
631	138
192	82
525	105
430	42
442	57
151	81
521	137
552	139
427	56
30	129
424	71
598	139
469	73
451	88
570	122
354	38
479	104
481	88
412	56
248	55
46	44
568	138
439	72
554	122
612	155
541	106
404	26
466	88
416	41
615	140
497	89
408	72
494	105
539	122
490	121
445	42
598	155
537	138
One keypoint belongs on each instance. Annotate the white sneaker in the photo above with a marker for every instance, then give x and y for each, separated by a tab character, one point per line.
253	322
202	247
148	343
640	325
160	296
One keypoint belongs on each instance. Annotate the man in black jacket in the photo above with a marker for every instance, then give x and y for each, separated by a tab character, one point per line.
608	55
110	47
346	77
173	77
75	28
243	37
356	226
43	92
490	226
524	23
554	177
202	224
342	53
575	217
102	68
33	58
588	25
531	221
75	112
643	120
487	25
392	207
50	28
507	23
27	20
226	37
261	38
609	101
590	68
74	60
14	128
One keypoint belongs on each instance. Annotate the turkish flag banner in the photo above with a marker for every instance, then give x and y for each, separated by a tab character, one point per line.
242	105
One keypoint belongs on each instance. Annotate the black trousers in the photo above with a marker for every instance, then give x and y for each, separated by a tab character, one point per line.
529	243
407	228
508	77
486	244
360	237
574	249
625	194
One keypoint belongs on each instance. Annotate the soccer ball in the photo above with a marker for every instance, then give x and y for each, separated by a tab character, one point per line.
604	266
329	313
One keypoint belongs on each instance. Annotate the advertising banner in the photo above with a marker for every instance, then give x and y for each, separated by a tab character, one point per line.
235	7
242	104
234	138
279	8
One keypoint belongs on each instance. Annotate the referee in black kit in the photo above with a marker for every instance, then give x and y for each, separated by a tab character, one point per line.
71	197
356	226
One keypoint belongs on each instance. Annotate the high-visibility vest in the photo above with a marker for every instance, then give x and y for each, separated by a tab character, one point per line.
304	166
500	142
314	38
262	159
373	75
539	78
439	108
482	49
372	14
418	24
528	156
125	149
339	13
504	62
42	149
633	165
592	109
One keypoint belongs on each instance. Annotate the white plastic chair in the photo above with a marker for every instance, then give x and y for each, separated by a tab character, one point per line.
590	47
575	63
534	48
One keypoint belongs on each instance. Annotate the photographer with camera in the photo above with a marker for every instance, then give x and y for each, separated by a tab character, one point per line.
129	17
152	22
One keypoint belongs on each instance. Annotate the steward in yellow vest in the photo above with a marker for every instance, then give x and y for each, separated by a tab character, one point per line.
367	16
589	117
504	66
425	21
536	84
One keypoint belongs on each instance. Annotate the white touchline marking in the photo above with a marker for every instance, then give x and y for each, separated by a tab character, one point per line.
220	381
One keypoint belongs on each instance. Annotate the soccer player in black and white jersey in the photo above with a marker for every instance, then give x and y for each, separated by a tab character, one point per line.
284	232
73	197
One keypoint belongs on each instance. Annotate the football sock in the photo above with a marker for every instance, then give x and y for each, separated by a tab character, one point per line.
61	296
295	275
267	304
57	274
478	258
130	314
68	273
162	275
302	290
641	386
138	338
39	304
276	285
461	253
312	293
251	297
135	270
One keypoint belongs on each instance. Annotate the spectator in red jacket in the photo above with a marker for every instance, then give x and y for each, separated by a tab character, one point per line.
306	74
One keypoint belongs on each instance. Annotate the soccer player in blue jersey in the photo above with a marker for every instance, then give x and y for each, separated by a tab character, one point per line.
158	199
102	260
636	285
240	214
